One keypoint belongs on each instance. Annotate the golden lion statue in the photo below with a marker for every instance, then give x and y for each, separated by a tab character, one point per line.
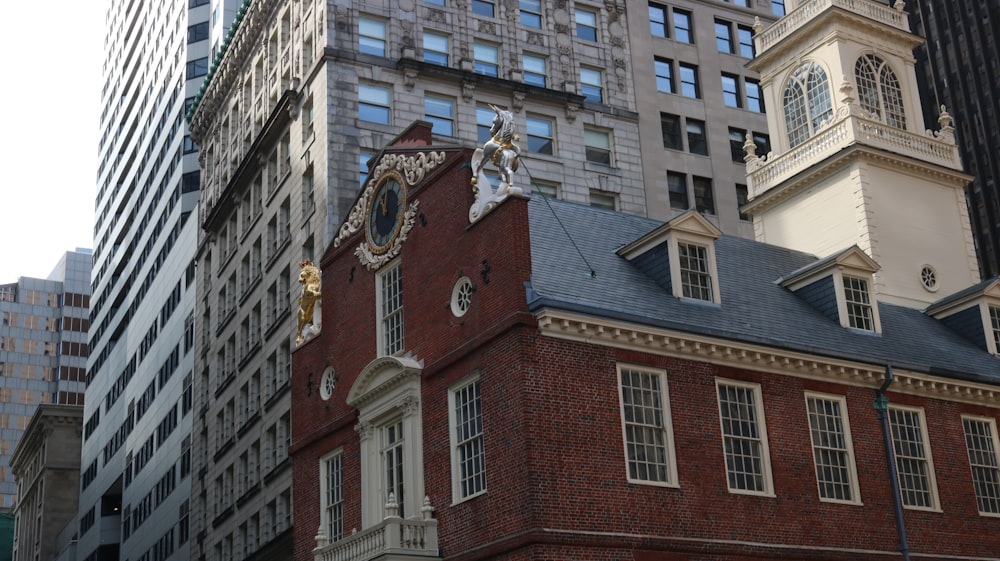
309	278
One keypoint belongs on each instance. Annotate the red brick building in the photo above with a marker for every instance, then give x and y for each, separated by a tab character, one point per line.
555	381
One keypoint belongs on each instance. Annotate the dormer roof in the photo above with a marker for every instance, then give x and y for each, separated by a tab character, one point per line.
692	224
755	309
852	259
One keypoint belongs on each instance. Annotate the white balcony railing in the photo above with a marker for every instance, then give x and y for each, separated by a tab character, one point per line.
934	148
394	537
807	10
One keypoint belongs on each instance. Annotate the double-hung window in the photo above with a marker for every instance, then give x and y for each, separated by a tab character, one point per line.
371	36
664	71
696	278
670	128
658	20
467	452
332	495
597	146
531	13
646	426
914	467
374	103
436	48
440	112
592	84
677	187
858	300
682	26
755	100
540	135
723	36
731	90
393	460
833	453
534	70
744	36
689	80
390	307
486	59
586	24
484	7
983	446
744	437
697	140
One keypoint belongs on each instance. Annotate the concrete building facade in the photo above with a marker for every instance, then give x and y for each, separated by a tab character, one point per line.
46	463
43	351
135	459
304	94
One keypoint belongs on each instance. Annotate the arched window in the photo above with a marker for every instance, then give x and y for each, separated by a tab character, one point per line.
806	102
878	91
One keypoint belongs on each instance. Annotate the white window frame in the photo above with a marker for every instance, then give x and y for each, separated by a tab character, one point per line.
848	450
531	132
324	490
765	453
595	132
994	440
386	347
667	428
845	320
387	391
935	505
457	495
577	24
592	78
678	237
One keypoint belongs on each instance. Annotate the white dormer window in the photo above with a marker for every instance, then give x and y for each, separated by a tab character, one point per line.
973	313
696	279
840	287
857	302
689	241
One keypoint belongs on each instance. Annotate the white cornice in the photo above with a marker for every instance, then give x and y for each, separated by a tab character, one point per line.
724	352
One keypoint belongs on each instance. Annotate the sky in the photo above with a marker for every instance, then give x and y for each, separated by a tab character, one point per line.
50	60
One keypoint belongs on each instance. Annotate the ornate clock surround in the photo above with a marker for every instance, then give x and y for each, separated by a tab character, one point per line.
408	170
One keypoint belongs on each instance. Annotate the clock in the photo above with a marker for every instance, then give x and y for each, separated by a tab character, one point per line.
386	209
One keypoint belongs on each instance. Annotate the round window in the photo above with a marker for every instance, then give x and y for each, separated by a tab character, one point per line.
461	296
928	278
327	383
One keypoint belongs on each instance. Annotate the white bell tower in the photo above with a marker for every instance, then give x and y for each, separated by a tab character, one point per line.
851	161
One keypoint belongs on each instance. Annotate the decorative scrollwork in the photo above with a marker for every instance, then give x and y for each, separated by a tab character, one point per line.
372	261
413	168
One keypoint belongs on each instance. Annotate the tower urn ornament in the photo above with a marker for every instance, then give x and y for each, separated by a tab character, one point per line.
310	280
502	151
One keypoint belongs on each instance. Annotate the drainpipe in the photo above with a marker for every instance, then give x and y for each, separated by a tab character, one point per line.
881	406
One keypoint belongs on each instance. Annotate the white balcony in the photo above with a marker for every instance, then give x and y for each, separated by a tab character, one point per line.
808	10
392	539
764	173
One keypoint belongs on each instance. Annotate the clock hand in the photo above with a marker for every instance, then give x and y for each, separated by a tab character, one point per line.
382	203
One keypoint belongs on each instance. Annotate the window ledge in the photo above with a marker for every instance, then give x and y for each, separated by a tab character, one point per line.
251	421
600	168
222	516
280	391
282	466
697	302
253	490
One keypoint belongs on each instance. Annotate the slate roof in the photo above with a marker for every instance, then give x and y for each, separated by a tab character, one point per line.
754	308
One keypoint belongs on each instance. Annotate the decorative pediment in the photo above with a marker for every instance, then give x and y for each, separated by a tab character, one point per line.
852	260
381	377
690	225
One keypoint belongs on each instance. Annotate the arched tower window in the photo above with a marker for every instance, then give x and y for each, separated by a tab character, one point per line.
807	102
878	91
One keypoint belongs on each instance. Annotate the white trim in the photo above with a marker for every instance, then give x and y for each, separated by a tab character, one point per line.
845	321
765	450
668	426
456	472
380	277
984	312
928	458
992	423
848	445
759	358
